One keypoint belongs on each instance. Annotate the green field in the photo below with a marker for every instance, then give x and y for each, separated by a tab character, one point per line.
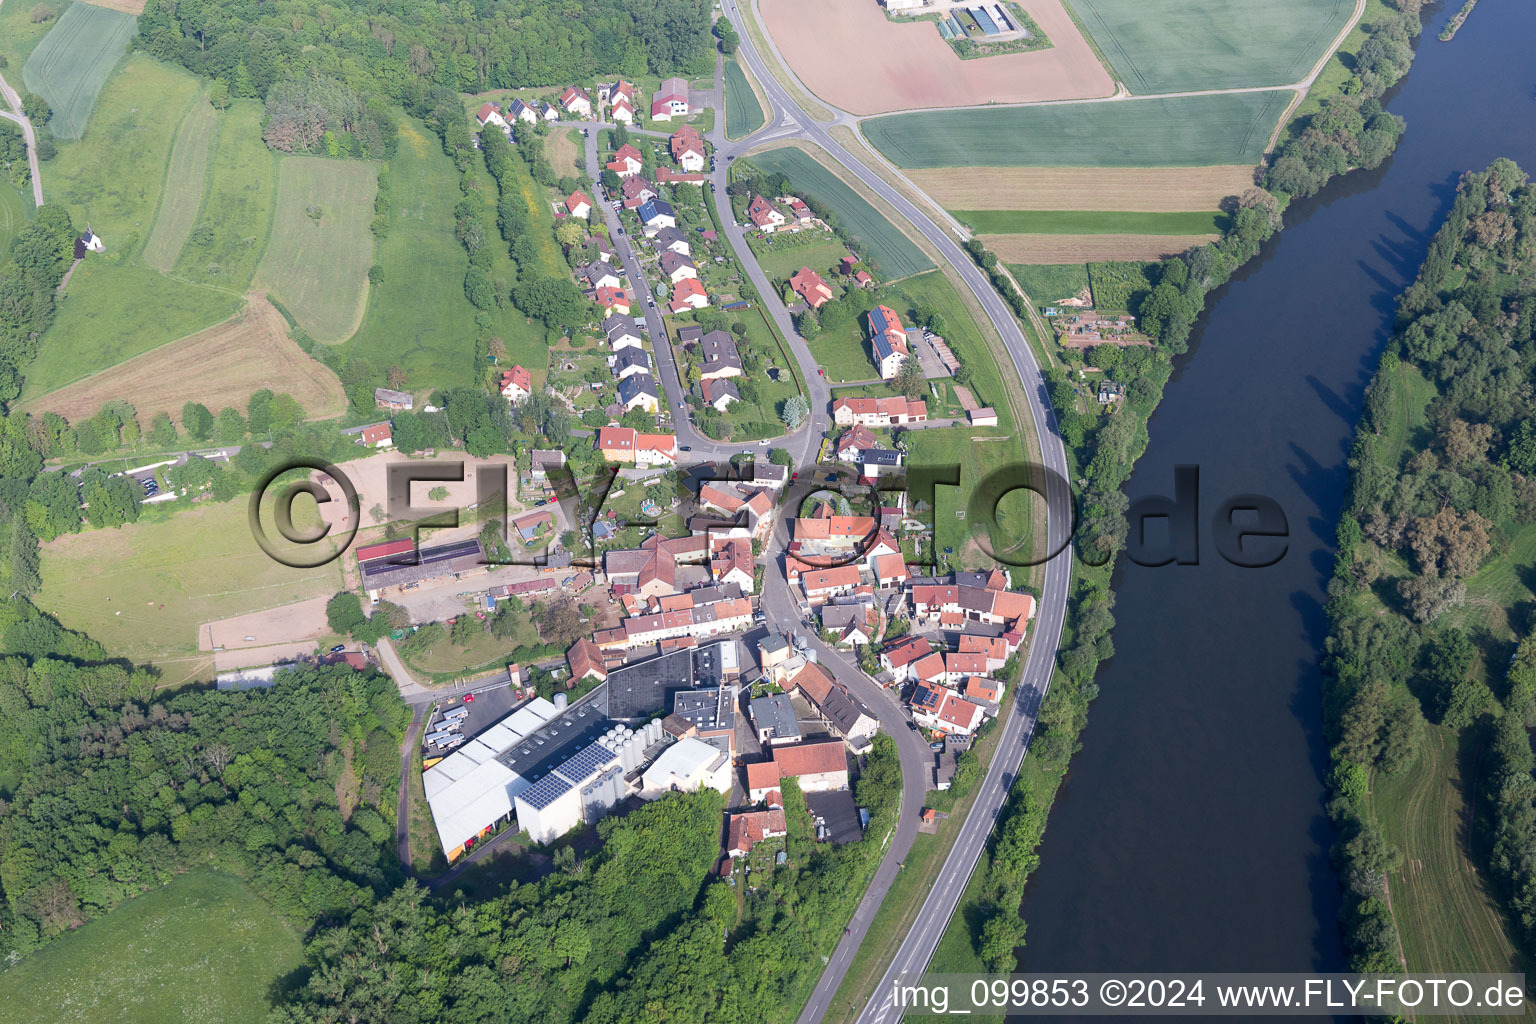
1090	222
1446	918
202	948
144	589
74	60
316	263
183	191
235	220
1050	283
13	213
1119	286
1181	132
893	254
1211	44
19	34
781	256
743	114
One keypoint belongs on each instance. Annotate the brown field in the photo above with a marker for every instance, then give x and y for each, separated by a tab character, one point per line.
133	7
1089	248
850	55
285	624
218	366
560	149
1137	189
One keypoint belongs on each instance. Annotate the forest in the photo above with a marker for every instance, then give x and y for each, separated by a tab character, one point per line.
1429	507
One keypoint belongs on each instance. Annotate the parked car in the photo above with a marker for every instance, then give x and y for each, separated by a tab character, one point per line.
338	648
469	698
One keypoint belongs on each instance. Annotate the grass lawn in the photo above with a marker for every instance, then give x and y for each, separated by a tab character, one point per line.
144	589
235	221
743	114
14	209
419	318
74	60
892	253
19	34
202	948
1446	918
751	421
1211	44
317	262
1047	284
781	256
448	659
183	192
1090	222
1180	132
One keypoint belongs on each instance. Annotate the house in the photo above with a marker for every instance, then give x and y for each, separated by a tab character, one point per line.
689	294
763	780
775	720
530	524
578	205
719	393
811	287
630	362
687	148
619	92
749	828
516	384
548	112
636	191
638	391
863	280
720	356
599	274
877	462
878	412
821	585
856	624
670	100
764	215
517	110
955	604
690	335
622	332
88	242
673	240
888	339
626	161
996	649
854	442
379	435
649	571
733	565
612	300
797	209
945	711
576	101
898	657
490	113
656	214
833	532
623	444
543	461
819	767
891	570
667	176
958	667
384	398
677	267
980	690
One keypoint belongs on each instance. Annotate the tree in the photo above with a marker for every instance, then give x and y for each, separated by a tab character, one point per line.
909	378
796	409
197	421
560	622
218	95
395	377
162	432
568	232
344	613
231	425
780	457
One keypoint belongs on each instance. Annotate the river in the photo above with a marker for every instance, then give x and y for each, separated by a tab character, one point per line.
1190	834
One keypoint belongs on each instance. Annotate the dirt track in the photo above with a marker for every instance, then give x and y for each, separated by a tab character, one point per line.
849	54
1089	248
290	623
1151	189
218	366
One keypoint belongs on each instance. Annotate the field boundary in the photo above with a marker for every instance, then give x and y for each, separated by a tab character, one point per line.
210	147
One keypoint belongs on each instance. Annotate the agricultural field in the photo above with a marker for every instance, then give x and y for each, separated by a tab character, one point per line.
1047	283
317	261
14	208
1211	44
1142	189
1119	286
201	948
182	194
232	227
860	60
74	60
1447	919
1183	131
19	35
743	112
133	7
144	589
252	350
892	253
419	318
1090	222
1077	248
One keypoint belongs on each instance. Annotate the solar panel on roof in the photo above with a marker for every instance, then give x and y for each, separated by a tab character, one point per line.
586	762
545	792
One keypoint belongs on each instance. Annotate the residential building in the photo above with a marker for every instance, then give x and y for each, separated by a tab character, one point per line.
667	176
888	339
377	435
636	192
638	391
576	101
822	585
623	444
818	767
585	661
655	215
622	332
688	294
599	274
516	384
763	781
748	828
811	287
517	110
629	362
720	356
490	114
688	148
626	161
673	240
385	398
764	215
878	412
774	719
670	100
611	299
719	392
945	711
577	204
676	267
854	442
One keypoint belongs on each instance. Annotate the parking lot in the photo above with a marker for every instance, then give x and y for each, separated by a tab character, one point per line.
475	712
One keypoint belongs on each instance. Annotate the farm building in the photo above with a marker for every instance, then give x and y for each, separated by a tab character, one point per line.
397	563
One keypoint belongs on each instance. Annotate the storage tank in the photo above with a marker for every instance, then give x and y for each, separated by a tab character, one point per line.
560	701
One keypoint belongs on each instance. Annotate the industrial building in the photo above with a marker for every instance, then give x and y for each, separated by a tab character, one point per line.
397	563
586	786
687	766
641	688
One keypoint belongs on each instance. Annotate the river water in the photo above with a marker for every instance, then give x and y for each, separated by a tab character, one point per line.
1190	834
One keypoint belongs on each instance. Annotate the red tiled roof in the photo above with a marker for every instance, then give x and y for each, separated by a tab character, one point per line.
908	649
810	759
762	775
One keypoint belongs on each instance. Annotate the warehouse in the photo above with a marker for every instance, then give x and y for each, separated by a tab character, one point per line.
586	786
687	766
641	688
396	563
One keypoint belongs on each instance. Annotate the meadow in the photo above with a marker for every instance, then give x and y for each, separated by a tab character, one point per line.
780	256
183	192
1090	222
1050	283
893	254
419	318
201	948
14	208
743	113
1211	44
235	219
1183	131
317	260
73	62
144	589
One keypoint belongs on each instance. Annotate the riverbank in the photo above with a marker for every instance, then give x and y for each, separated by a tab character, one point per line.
1457	20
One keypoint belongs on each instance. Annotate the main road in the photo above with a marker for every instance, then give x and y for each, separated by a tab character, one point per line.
788	120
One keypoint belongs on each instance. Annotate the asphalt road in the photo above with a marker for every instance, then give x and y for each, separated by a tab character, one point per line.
14	102
788	120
